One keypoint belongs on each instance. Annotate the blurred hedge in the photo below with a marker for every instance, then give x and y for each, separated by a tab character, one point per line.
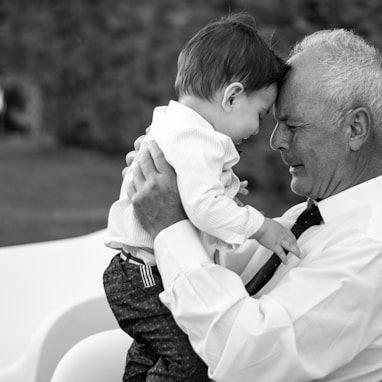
102	65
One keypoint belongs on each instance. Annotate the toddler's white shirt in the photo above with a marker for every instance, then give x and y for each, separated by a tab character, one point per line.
203	159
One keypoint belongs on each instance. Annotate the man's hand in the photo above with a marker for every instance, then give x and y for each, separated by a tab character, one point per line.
154	191
130	156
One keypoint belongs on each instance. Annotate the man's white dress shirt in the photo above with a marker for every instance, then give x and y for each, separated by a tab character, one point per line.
319	318
203	160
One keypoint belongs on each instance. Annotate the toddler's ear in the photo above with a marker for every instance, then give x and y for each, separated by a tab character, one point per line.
231	92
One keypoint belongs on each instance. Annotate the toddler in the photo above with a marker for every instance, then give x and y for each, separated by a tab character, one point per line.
226	83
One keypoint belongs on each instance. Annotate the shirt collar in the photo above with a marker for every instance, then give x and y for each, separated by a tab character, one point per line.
176	108
354	198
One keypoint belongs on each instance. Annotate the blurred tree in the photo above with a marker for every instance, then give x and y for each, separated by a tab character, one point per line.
119	64
102	65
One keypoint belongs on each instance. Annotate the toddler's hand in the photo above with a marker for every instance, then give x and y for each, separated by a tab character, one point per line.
238	202
243	188
277	238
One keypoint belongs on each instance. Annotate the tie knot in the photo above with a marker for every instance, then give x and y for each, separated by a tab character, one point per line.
310	216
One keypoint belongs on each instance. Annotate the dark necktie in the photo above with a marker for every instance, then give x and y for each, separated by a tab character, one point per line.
309	217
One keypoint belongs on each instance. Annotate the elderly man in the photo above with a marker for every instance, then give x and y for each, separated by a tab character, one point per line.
320	317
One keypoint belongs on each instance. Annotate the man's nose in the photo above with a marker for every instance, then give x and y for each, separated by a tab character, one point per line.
280	137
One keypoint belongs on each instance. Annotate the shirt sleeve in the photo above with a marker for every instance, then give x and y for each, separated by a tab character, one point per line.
313	322
199	158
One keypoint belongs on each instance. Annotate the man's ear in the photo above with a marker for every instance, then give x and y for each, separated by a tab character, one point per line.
359	126
231	92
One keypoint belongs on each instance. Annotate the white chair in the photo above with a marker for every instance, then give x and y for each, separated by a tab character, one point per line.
97	358
51	298
56	335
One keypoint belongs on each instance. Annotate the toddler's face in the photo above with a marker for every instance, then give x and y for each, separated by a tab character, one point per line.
247	113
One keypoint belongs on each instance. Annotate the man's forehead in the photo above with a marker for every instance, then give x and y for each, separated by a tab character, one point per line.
300	85
279	111
284	99
291	101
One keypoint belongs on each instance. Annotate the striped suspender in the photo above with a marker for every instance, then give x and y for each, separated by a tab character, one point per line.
147	275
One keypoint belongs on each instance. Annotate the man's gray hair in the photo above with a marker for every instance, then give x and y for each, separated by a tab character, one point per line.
353	71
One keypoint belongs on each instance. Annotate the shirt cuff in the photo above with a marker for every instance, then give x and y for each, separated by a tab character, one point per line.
257	220
177	249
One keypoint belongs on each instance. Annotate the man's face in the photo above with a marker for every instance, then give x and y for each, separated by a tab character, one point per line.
315	150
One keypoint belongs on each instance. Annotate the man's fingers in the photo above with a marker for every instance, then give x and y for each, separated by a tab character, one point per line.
138	142
159	160
146	161
129	158
131	190
138	176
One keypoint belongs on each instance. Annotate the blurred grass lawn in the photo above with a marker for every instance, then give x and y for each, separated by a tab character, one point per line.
49	192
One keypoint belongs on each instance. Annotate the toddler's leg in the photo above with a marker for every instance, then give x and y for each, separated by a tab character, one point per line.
160	346
177	361
140	358
119	291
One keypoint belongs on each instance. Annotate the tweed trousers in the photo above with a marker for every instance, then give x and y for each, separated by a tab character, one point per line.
160	350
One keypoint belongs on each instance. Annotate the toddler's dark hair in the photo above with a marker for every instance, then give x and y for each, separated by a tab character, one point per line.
225	51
